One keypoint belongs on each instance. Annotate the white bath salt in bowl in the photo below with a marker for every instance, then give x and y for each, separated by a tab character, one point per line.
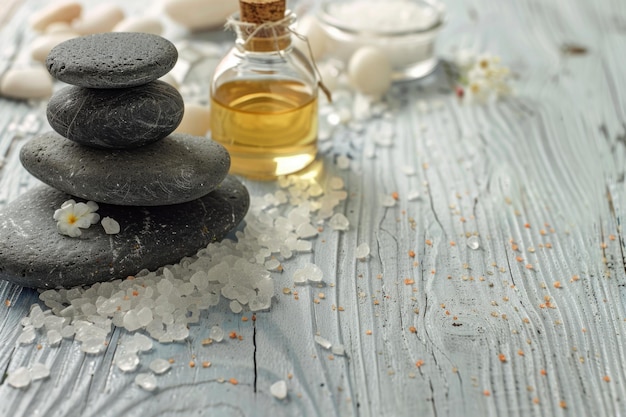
405	30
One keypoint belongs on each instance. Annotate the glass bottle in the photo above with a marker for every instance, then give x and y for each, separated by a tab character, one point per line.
264	101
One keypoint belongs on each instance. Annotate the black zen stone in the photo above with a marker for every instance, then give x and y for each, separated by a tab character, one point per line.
112	60
34	254
116	118
174	170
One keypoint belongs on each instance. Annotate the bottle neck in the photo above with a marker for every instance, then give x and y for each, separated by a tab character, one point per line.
264	37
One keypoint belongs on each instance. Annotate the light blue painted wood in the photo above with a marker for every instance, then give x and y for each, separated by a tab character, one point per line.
550	157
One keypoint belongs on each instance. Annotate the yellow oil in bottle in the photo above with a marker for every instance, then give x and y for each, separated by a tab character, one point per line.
269	127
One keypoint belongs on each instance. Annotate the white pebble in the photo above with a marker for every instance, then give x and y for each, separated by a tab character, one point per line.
39	371
199	15
362	251
195	120
143	24
309	27
370	71
26	83
19	378
146	381
101	18
65	11
110	226
159	366
279	389
41	46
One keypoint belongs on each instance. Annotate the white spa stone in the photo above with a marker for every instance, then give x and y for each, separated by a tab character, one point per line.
195	120
198	15
370	71
26	83
102	18
41	46
144	24
58	27
65	11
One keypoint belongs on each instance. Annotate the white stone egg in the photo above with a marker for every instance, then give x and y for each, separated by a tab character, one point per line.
369	71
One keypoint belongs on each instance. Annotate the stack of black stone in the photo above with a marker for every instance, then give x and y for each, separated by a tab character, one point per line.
114	145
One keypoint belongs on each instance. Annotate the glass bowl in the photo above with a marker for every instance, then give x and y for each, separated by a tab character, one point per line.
406	30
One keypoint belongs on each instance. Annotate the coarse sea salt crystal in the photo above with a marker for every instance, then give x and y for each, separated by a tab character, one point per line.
339	222
28	336
388	201
54	337
310	272
343	162
39	371
413	195
279	390
338	350
127	362
159	366
146	381
473	242
19	378
325	343
362	251
216	333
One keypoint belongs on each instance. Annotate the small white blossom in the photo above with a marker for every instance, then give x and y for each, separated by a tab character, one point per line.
73	216
111	227
484	77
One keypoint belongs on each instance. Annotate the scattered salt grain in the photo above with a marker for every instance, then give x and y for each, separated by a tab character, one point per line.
279	390
235	307
146	381
413	195
54	337
127	362
339	222
362	251
343	162
306	230
473	243
159	366
338	350
110	226
310	272
388	201
325	343
19	378
408	170
39	371
216	333
28	336
336	183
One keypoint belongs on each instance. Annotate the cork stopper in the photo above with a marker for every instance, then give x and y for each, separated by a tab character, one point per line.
261	11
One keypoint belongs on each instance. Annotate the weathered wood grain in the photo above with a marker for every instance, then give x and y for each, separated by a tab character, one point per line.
529	324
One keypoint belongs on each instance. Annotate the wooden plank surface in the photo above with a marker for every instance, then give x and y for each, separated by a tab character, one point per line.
497	331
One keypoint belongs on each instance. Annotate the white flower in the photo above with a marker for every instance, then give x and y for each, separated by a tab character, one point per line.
111	227
72	217
484	77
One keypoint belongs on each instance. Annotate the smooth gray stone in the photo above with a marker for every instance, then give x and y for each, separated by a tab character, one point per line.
174	170
34	254
112	60
116	118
